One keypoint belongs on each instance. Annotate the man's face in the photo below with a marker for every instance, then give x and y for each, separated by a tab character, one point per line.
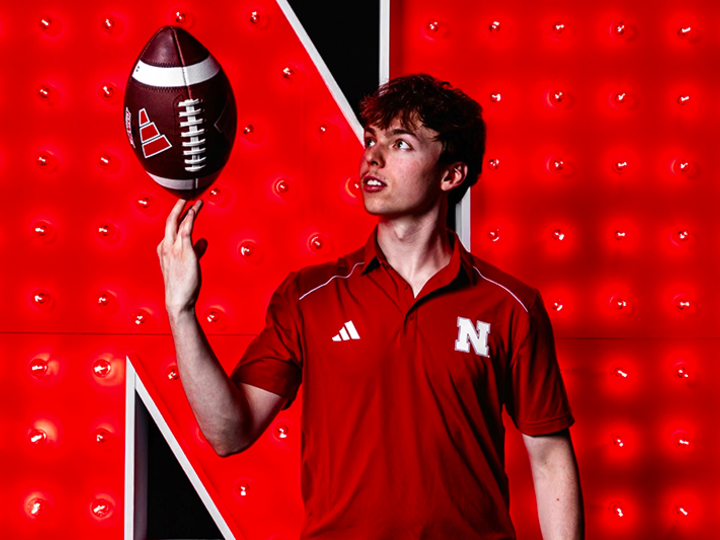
399	170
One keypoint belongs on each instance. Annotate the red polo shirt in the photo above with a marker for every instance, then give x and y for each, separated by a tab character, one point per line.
402	434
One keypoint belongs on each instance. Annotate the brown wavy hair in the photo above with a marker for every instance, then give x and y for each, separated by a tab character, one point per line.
438	106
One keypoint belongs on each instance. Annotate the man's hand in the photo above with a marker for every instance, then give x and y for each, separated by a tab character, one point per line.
180	260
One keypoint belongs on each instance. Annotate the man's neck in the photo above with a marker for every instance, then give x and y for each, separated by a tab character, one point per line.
416	248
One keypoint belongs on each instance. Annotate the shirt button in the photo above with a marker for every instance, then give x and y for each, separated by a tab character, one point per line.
411	316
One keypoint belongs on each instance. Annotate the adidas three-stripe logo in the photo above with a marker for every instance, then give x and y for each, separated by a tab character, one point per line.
347	332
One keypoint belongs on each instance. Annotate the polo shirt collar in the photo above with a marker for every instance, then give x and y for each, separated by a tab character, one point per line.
460	259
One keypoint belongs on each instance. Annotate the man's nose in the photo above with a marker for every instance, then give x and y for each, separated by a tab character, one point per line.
374	156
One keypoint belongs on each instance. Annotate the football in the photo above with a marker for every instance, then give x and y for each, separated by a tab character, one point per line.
180	115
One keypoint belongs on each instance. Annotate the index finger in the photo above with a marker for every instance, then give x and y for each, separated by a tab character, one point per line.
171	225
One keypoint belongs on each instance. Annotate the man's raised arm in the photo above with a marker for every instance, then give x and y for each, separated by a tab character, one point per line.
230	417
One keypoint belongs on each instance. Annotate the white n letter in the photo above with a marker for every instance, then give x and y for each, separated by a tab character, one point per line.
467	335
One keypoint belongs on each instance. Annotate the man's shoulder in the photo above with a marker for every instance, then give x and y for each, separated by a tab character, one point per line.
313	277
515	290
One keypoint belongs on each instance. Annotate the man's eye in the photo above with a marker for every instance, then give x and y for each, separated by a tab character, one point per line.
369	143
403	145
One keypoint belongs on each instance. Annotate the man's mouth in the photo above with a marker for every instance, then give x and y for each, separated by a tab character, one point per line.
372	181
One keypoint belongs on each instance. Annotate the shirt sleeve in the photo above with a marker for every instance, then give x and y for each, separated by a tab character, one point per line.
273	360
537	401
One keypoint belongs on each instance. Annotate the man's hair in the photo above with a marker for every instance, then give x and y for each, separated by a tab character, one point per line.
438	106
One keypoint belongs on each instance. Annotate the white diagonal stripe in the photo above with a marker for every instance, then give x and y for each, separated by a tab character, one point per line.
351	328
170	77
337	338
344	334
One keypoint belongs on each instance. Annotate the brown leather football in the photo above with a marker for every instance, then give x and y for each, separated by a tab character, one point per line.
180	114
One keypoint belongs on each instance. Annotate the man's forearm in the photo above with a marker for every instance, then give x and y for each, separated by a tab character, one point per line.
557	487
220	408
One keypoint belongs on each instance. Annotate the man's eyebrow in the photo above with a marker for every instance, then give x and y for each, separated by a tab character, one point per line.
393	132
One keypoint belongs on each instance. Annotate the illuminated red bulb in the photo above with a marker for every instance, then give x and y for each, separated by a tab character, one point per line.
45	161
316	242
682	511
101	368
682	371
494	164
107	91
106	231
43	230
558	98
172	374
257	18
617	511
37	437
496	97
243	488
322	129
105	300
212	316
557	29
558	235
619	442
281	431
281	186
685	31
682	167
620	373
48	94
216	195
101	508
619	303
682	303
682	235
108	24
39	367
143	203
180	17
247	130
140	317
619	30
556	165
41	298
557	305
494	27
108	163
620	98
288	73
433	27
248	248
49	25
683	99
682	440
620	166
37	507
254	17
253	132
494	235
620	235
101	436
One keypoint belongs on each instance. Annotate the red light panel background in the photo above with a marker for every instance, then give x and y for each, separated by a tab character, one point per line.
590	86
665	466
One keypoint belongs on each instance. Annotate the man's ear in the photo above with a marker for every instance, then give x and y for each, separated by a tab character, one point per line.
455	174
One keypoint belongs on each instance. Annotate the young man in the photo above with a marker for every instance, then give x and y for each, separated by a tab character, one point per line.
407	348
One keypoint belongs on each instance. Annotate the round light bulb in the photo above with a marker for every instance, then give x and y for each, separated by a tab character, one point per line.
682	235
101	436
494	164
619	442
620	373
620	166
683	99
316	242
45	161
557	29
494	27
619	303
682	511
556	165
494	235
682	440
620	234
37	507
282	430
143	203
619	29
39	367
243	489
140	317
558	235
101	508
685	31
180	17
37	437
281	186
496	97
617	511
288	73
682	303
212	316
172	374
41	298
433	27
216	195
557	305
682	371
102	368
248	249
